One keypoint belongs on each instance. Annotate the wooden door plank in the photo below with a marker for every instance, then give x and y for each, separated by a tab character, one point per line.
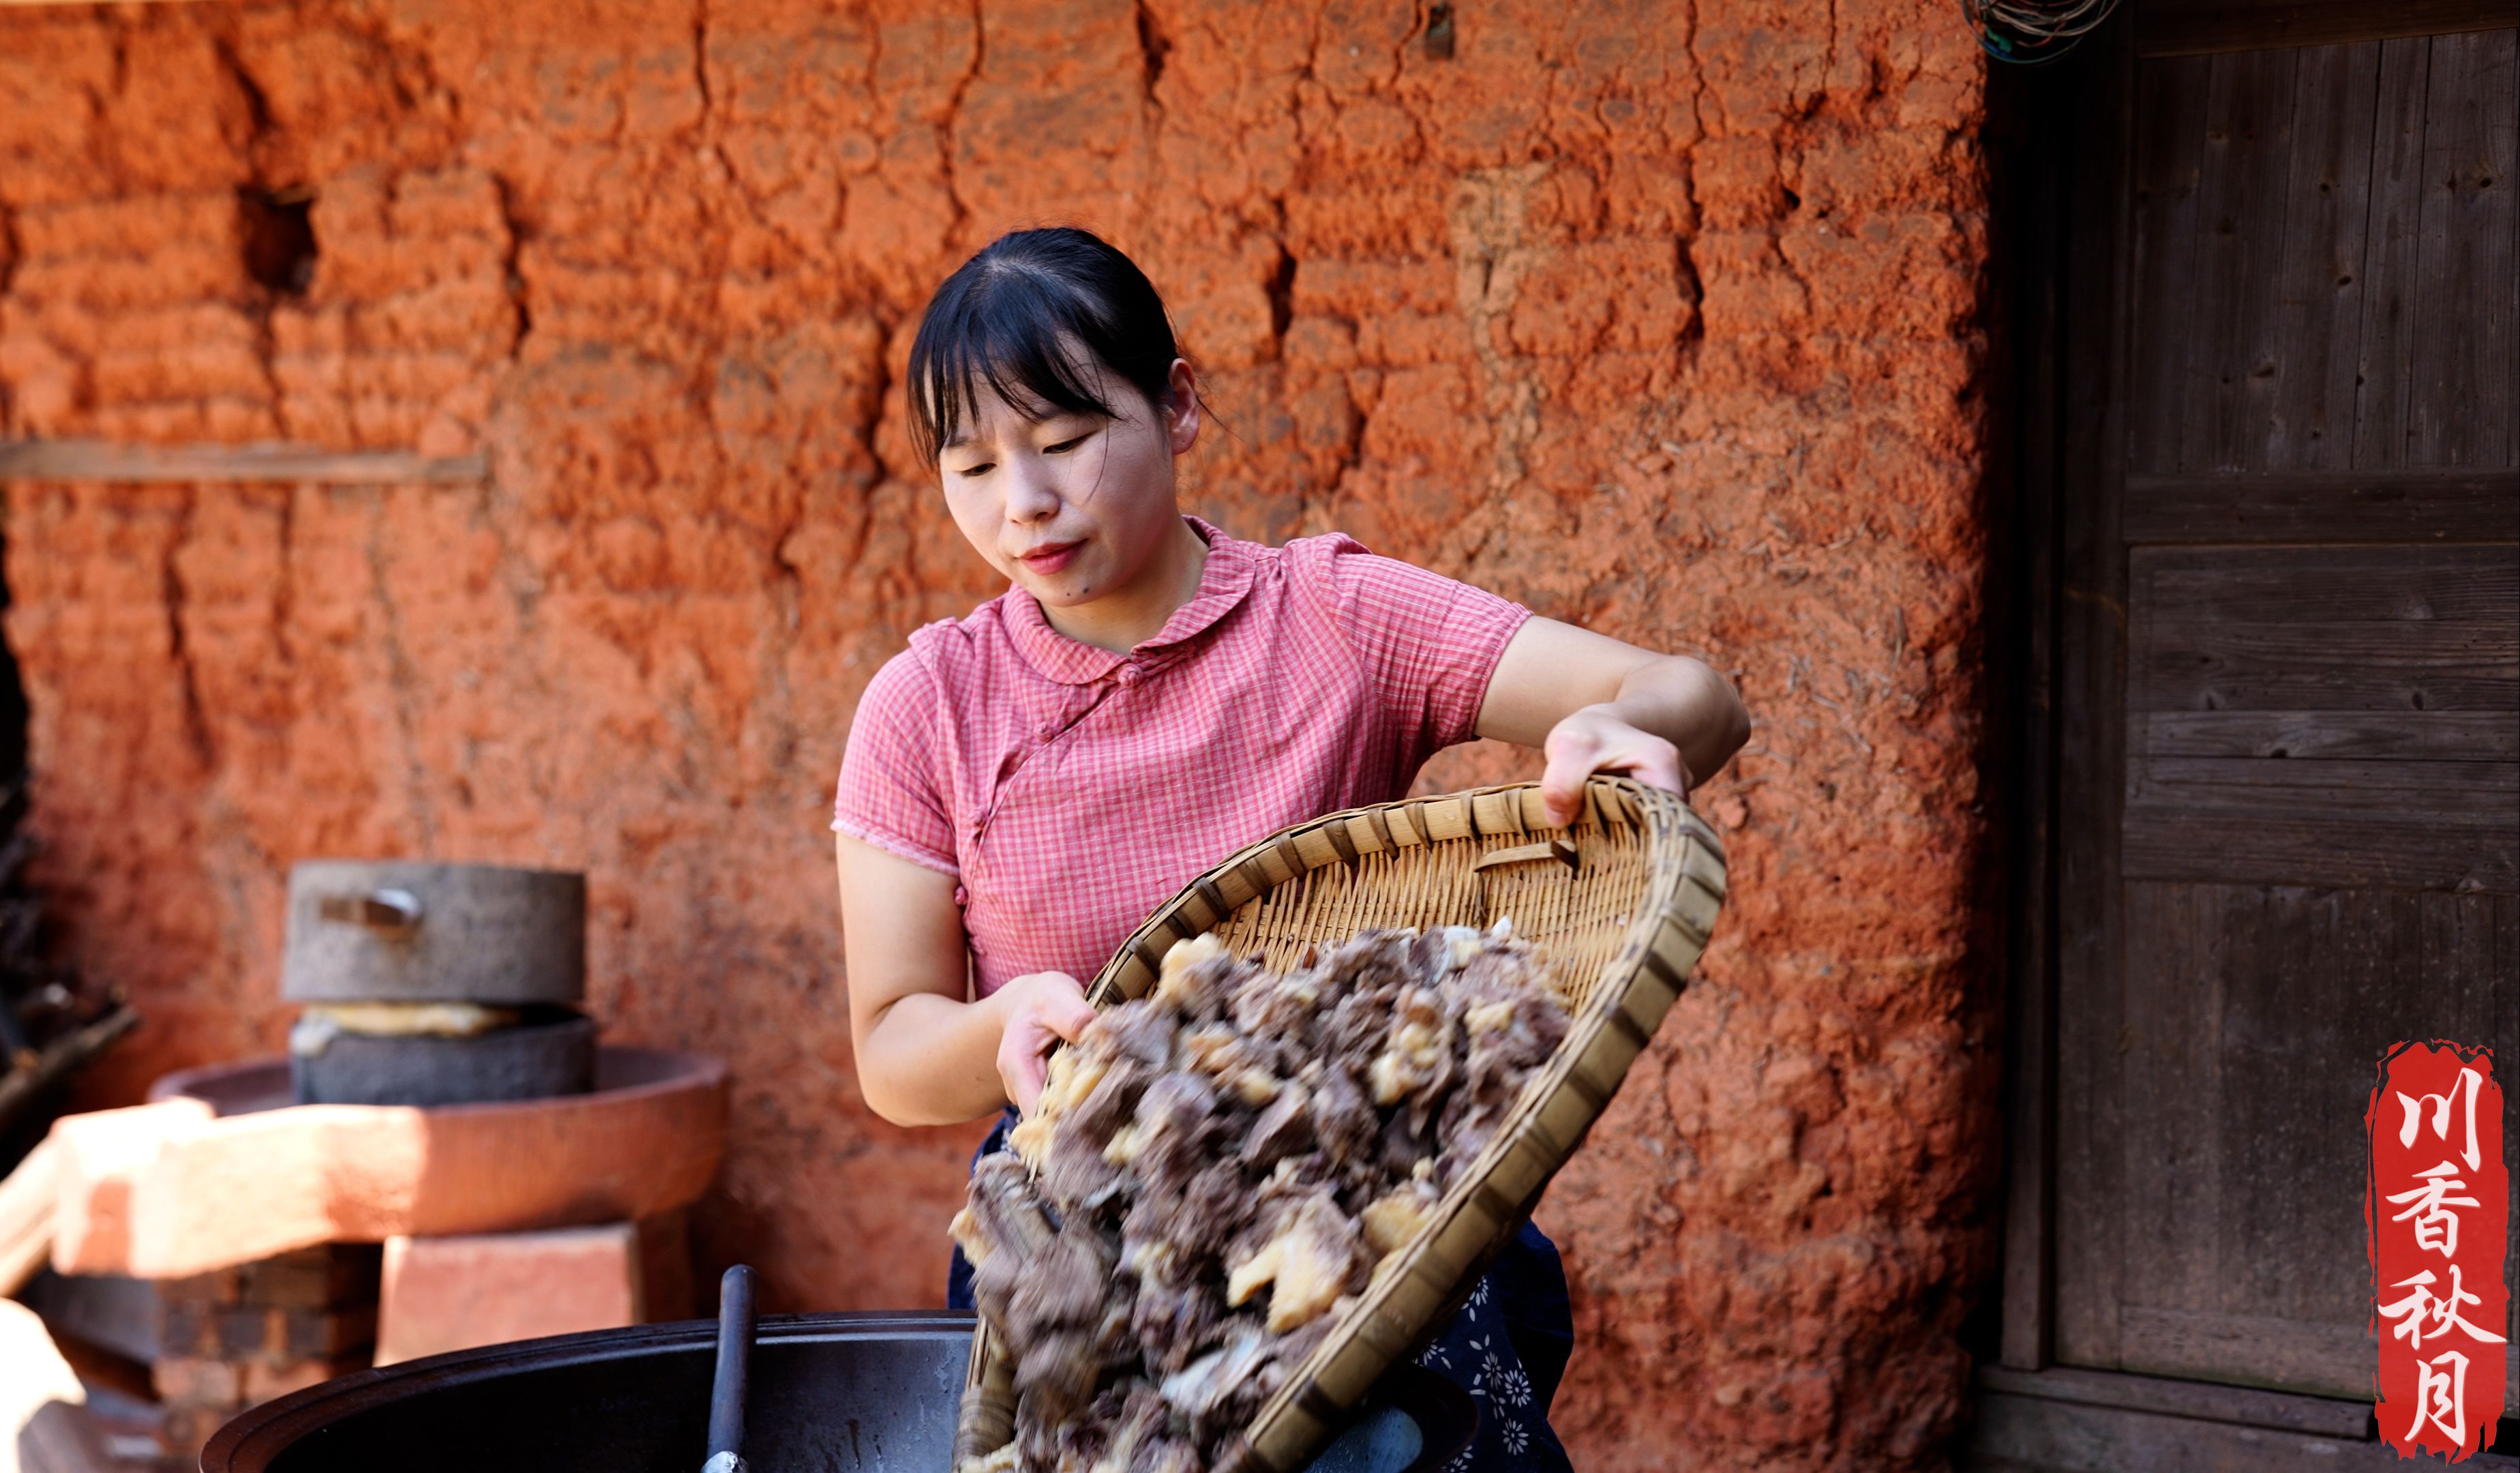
2244	195
2293	1128
2344	850
2202	1399
2391	292
2375	585
2430	736
2171	105
2179	945
2352	948
2292	1132
2227	313
2459	407
2102	408
2277	1350
2306	666
2319	287
2350	506
2313	985
2419	792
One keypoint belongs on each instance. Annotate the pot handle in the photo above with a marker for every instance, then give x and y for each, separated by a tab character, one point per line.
736	1325
392	911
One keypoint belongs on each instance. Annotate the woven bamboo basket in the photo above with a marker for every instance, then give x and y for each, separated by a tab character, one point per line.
1619	904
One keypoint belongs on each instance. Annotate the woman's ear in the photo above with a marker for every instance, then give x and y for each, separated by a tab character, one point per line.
1181	407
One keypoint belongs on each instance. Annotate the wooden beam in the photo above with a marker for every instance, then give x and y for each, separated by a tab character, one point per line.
2239	1405
26	1197
2170	27
2036	1428
303	465
23	1085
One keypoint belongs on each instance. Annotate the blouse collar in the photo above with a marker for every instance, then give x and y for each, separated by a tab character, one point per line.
1222	585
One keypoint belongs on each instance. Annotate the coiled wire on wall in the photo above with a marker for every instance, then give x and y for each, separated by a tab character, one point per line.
2032	32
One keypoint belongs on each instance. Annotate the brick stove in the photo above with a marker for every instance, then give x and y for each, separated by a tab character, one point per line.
238	1337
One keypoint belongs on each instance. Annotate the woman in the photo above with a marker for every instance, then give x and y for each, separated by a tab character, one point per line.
1024	785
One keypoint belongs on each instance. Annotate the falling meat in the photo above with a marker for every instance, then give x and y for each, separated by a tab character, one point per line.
1214	1171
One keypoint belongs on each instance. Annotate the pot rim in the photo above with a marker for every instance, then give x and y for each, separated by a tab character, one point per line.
261	1433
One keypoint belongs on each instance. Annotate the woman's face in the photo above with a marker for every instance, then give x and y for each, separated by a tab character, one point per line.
1071	507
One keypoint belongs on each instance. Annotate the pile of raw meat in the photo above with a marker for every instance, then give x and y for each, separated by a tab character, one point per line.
1215	1168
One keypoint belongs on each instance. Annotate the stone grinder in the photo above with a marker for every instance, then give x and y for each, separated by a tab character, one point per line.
436	984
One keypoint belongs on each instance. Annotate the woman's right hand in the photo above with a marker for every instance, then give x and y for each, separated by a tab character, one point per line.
1039	1009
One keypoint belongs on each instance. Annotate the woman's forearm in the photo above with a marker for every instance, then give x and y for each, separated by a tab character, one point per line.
931	1060
1688	705
925	1055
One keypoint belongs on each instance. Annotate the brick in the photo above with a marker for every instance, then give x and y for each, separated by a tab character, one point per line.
185	1327
183	1429
197	1381
98	1156
245	1332
320	1302
219	1286
316	1279
326	1332
455	1293
264	1381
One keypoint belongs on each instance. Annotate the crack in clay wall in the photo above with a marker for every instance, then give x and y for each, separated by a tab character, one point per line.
1663	317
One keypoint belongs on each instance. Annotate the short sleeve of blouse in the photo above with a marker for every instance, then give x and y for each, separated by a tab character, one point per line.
1432	644
892	789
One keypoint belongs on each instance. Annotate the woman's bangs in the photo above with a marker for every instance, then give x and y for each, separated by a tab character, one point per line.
1015	341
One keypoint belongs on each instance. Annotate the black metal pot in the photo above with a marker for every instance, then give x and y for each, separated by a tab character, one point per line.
828	1392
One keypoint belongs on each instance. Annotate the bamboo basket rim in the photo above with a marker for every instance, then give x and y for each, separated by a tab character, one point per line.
1681	888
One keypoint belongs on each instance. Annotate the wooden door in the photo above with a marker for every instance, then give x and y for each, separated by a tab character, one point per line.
2289	760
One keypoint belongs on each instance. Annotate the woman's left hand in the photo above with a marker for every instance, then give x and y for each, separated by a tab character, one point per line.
1596	704
1595	739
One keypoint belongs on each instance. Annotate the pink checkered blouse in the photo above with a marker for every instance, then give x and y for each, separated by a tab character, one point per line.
1071	790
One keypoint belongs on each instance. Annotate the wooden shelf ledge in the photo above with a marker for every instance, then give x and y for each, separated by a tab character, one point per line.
298	465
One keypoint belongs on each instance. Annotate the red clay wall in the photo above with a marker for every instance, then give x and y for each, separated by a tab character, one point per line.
1662	320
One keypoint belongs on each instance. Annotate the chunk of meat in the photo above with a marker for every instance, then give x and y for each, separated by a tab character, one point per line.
1310	1255
1134	1032
1282	1129
1396	1217
1196	977
1079	1168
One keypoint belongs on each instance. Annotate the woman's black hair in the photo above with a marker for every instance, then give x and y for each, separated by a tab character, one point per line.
1013	318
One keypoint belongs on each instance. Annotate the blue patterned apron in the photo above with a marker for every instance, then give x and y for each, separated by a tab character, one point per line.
1507	1348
